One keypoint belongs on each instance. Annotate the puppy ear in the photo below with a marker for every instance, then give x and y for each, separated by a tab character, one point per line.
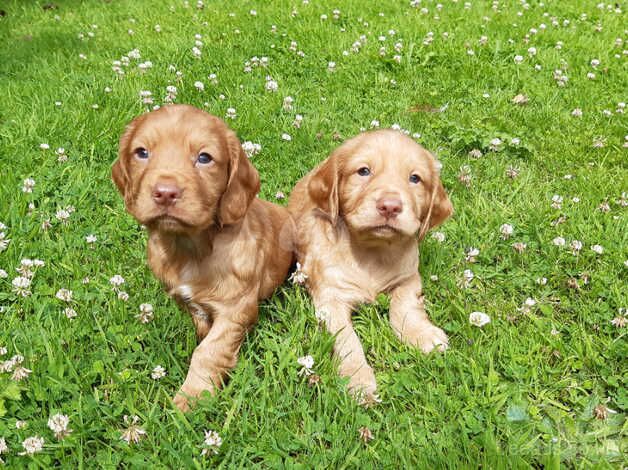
440	207
323	187
119	173
242	186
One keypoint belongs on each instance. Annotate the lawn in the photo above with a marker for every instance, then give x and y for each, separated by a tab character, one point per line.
523	103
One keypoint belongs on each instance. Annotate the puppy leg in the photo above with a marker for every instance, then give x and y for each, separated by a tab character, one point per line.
409	320
216	354
336	317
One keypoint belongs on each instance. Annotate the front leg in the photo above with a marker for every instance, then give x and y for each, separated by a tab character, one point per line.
336	316
217	353
409	320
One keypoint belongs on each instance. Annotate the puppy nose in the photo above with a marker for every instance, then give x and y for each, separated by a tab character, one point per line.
389	207
166	194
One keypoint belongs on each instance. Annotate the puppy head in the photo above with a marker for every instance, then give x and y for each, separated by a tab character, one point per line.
383	185
181	170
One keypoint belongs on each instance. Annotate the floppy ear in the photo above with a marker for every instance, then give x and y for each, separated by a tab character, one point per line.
323	187
118	171
242	186
440	208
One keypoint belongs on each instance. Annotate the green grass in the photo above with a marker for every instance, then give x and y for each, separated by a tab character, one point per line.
511	394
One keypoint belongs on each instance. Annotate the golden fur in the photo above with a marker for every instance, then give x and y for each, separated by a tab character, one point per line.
357	233
217	248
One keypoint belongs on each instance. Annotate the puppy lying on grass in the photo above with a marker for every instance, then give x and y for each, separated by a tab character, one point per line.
217	248
359	217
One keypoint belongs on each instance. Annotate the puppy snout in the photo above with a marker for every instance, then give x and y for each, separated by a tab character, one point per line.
389	207
166	194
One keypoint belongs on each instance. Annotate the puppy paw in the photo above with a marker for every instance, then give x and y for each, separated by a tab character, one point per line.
187	394
362	384
426	337
181	402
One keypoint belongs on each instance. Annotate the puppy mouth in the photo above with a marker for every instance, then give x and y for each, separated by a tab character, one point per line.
384	229
168	223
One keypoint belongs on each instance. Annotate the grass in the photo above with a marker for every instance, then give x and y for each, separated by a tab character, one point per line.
524	391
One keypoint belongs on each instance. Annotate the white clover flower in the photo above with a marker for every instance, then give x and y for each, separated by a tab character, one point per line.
286	137
506	230
471	254
271	85
495	144
123	296
158	373
21	286
59	425
212	442
3	274
146	313
307	362
63	215
70	313
4	242
331	66
559	241
479	319
287	103
280	195
467	277
576	246
196	52
298	120
29	184
322	316
91	239
597	249
518	59
577	112
64	295
251	149
374	123
438	236
32	445
557	201
519	247
116	281
44	146
231	113
133	432
541	281
298	276
199	86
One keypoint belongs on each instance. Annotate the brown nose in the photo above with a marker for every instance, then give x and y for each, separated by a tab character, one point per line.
166	194
389	207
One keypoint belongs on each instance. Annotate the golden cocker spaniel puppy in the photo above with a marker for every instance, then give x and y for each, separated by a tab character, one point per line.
359	216
217	248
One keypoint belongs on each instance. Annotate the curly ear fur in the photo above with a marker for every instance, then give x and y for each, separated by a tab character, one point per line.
323	187
119	173
242	186
440	208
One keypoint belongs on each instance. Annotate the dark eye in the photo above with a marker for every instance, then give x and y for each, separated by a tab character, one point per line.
141	152
364	171
415	179
204	158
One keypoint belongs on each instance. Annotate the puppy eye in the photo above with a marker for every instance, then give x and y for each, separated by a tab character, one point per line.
141	152
204	158
364	171
415	179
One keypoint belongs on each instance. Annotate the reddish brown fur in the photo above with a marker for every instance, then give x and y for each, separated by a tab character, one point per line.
351	252
219	249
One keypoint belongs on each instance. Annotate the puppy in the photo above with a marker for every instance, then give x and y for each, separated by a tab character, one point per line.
217	248
359	216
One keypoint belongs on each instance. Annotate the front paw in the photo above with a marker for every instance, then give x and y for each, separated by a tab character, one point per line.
188	394
427	337
362	384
